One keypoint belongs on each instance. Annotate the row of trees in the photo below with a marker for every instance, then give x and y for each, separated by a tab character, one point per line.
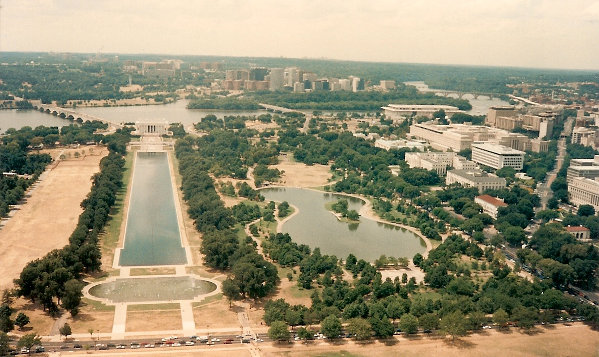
249	275
55	279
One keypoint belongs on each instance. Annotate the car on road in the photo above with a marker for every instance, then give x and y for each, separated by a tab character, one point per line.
228	341
176	344
121	347
189	343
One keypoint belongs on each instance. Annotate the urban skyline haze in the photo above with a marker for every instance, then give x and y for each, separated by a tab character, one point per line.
519	33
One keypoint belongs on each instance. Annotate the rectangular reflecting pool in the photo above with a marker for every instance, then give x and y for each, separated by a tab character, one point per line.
152	235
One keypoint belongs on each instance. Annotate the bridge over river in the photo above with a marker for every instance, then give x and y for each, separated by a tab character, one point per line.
73	114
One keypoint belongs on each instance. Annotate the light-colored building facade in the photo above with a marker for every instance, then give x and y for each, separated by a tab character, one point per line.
276	79
584	191
587	168
434	161
490	204
584	136
497	156
401	111
499	111
458	137
151	128
387	85
399	144
475	178
579	232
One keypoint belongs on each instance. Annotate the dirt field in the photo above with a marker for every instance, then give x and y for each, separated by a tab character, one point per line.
40	322
156	320
575	340
215	315
49	216
301	175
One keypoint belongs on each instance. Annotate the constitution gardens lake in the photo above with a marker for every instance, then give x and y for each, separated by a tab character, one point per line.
315	226
152	235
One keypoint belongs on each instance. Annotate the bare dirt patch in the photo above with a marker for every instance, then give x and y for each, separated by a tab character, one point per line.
40	322
575	340
155	320
301	175
215	314
49	216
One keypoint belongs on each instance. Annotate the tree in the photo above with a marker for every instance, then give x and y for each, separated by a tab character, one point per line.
7	297
6	323
304	334
526	317
65	330
500	318
230	290
429	322
29	340
514	235
21	320
418	258
586	210
278	331
381	326
72	296
477	319
4	344
331	327
408	324
359	328
454	324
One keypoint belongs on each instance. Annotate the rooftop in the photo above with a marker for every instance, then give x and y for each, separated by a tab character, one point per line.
496	148
577	229
492	200
476	175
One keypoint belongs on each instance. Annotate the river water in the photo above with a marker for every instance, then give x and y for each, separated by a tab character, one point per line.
480	105
315	226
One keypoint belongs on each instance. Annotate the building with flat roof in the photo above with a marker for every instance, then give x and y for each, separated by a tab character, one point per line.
276	79
400	111
497	156
584	191
499	111
475	178
458	137
490	204
434	161
400	143
387	84
584	136
588	168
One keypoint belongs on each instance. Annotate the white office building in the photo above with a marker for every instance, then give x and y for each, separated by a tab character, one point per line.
276	80
584	191
497	156
475	178
434	161
400	143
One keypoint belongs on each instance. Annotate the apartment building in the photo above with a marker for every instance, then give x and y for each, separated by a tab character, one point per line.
497	156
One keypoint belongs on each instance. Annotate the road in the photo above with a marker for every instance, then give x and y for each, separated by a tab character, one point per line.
544	189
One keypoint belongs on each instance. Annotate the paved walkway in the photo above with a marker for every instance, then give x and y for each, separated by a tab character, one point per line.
120	321
189	325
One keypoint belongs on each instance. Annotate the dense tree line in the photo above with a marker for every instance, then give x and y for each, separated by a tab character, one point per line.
55	278
249	274
363	100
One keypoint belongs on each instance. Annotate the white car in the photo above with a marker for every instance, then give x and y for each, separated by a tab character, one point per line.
189	343
486	327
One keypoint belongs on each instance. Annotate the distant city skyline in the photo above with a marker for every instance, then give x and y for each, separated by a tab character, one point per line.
515	33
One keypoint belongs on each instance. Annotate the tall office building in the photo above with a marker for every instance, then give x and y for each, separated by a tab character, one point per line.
276	79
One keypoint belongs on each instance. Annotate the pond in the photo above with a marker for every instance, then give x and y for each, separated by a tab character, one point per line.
315	226
152	234
152	289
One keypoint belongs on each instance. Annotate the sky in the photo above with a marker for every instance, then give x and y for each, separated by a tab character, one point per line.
520	33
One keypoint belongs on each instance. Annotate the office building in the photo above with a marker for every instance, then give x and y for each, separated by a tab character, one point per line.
499	111
399	144
298	87
397	111
433	161
584	191
497	156
475	178
490	204
276	79
345	84
584	136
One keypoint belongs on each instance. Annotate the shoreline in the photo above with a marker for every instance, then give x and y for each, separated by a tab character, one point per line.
365	211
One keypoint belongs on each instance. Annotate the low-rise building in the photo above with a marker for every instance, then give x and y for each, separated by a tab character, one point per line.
475	178
461	163
497	156
490	204
584	136
584	191
588	168
400	143
434	161
400	111
579	232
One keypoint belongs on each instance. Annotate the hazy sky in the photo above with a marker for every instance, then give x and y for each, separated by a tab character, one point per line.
528	33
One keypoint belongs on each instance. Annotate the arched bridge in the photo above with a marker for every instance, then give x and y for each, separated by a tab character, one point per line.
72	114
